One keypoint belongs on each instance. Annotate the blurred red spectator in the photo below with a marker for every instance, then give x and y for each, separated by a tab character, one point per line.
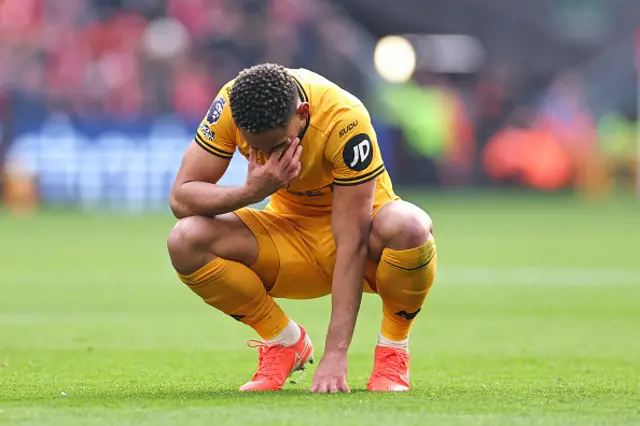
193	14
193	89
528	155
20	21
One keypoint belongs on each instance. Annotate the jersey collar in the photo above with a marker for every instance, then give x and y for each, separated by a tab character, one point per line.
304	98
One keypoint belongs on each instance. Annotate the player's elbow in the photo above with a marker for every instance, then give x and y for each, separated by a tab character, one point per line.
178	209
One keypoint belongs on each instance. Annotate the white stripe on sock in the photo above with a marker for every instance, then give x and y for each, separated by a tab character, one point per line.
287	337
399	344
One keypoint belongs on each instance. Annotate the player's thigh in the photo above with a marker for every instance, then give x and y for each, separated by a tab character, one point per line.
196	240
288	257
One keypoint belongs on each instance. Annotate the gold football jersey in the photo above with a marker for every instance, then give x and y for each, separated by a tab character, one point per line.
340	146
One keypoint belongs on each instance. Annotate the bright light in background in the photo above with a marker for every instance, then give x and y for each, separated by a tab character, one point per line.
395	59
165	38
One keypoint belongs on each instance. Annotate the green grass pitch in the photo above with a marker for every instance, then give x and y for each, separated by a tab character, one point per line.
534	320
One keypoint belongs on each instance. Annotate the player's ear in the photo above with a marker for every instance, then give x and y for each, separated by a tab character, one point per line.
303	110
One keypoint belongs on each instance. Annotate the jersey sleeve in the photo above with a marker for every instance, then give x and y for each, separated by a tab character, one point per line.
352	149
216	131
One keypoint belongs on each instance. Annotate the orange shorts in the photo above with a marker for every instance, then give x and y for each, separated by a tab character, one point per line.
296	254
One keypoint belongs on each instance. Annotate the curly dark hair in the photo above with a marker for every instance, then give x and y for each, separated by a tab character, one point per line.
263	97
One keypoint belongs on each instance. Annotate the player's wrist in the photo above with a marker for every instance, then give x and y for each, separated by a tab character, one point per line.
336	352
336	346
250	195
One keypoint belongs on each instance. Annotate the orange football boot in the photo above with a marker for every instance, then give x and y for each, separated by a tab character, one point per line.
390	370
276	363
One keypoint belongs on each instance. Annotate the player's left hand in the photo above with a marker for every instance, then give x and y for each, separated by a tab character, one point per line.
331	374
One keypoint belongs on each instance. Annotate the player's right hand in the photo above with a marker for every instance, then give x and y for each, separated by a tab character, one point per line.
277	172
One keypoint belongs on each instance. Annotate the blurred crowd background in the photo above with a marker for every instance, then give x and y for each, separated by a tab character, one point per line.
99	98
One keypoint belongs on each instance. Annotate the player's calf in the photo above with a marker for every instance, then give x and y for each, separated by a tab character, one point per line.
402	242
211	256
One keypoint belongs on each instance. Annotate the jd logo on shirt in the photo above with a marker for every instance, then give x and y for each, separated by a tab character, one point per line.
358	152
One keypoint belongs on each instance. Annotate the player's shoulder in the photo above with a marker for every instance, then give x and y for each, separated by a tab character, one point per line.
323	90
216	131
219	113
309	77
224	95
333	109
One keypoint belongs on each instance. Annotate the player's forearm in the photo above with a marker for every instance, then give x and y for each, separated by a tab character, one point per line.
207	199
346	295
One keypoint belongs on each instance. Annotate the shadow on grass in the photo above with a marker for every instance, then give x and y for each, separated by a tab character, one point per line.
120	395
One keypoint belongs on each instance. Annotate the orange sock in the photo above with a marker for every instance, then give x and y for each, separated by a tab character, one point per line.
236	290
403	279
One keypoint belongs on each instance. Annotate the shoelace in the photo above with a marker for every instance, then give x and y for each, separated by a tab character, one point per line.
269	359
392	362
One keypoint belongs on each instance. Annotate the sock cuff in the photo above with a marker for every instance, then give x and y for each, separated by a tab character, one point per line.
384	340
274	323
410	259
211	270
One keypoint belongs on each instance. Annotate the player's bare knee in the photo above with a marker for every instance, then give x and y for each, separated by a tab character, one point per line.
187	242
186	235
412	232
405	226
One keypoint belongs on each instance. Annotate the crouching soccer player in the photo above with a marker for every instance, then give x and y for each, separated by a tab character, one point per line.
333	225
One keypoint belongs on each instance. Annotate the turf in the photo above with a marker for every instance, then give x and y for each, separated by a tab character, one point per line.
534	320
